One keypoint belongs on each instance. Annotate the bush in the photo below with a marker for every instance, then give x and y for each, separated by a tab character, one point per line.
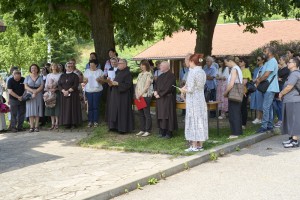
281	49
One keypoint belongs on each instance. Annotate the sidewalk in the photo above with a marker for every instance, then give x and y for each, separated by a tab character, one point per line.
48	165
263	171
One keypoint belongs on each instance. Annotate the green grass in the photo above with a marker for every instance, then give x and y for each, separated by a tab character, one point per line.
102	138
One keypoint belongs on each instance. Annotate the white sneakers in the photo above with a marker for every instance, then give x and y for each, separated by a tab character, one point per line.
232	137
256	121
146	134
194	149
140	133
143	134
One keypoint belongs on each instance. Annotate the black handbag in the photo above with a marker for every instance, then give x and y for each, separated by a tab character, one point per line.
26	96
250	86
263	86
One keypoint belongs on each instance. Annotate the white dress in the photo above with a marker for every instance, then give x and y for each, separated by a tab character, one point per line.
196	125
2	115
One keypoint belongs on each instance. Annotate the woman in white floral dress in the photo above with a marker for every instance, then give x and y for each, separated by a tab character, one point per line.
196	125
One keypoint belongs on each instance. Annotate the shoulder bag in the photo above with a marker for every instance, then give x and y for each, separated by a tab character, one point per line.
237	92
264	85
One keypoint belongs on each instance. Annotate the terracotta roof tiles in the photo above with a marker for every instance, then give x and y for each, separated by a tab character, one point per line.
229	39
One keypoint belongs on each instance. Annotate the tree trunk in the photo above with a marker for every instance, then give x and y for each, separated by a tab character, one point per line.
102	28
206	24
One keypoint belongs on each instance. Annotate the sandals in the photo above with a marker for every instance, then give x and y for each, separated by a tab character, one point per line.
52	127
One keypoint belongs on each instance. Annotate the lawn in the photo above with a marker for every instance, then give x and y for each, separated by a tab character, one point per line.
102	138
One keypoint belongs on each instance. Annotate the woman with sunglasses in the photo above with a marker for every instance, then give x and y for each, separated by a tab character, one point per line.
256	99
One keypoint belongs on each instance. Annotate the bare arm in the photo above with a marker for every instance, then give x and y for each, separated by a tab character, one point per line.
263	77
231	83
12	93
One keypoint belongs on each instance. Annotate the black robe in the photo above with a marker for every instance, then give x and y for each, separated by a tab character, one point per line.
70	105
166	105
120	115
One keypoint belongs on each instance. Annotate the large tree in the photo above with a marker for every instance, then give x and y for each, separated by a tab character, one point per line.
195	15
88	18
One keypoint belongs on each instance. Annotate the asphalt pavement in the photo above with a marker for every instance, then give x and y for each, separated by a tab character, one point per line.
263	171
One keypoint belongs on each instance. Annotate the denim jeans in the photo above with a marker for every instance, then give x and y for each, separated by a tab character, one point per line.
267	120
277	106
93	106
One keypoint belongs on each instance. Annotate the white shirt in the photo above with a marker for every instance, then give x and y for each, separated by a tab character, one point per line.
93	85
240	75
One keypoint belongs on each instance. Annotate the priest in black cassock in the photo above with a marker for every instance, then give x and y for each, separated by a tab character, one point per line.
120	116
165	95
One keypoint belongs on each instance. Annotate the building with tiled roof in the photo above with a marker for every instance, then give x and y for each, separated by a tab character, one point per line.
229	39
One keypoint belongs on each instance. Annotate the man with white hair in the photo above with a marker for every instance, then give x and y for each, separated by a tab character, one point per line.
165	95
211	84
120	111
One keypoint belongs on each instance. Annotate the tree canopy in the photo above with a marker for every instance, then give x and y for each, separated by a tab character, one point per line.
132	22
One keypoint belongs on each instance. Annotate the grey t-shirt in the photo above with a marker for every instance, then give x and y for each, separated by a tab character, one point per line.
293	95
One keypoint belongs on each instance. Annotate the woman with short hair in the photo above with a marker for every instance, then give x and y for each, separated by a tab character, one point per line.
290	97
34	85
283	73
93	91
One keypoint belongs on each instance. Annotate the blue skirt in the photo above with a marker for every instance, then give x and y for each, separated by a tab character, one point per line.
256	101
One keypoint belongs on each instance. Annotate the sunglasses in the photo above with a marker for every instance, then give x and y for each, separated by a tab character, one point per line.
258	60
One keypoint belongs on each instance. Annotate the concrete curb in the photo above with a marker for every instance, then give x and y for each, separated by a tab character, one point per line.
176	167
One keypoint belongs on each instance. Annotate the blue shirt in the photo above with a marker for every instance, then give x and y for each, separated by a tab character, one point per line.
271	66
182	72
211	71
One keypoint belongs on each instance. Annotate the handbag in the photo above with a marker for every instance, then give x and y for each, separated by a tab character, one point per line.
26	96
237	92
263	86
4	108
140	103
250	86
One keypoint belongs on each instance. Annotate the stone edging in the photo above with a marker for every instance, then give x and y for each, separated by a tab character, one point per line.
174	168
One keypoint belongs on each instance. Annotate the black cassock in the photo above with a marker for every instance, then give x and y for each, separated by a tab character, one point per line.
120	116
70	105
166	104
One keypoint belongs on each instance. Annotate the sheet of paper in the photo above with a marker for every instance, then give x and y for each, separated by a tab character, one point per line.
111	74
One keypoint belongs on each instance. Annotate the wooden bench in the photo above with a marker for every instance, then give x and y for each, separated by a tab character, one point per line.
211	106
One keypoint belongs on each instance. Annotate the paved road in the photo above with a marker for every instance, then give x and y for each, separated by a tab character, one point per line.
264	171
48	165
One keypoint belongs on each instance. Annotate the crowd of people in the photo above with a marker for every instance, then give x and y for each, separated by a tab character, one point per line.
60	93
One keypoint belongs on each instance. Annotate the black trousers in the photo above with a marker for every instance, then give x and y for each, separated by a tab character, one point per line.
17	111
244	110
145	117
235	117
